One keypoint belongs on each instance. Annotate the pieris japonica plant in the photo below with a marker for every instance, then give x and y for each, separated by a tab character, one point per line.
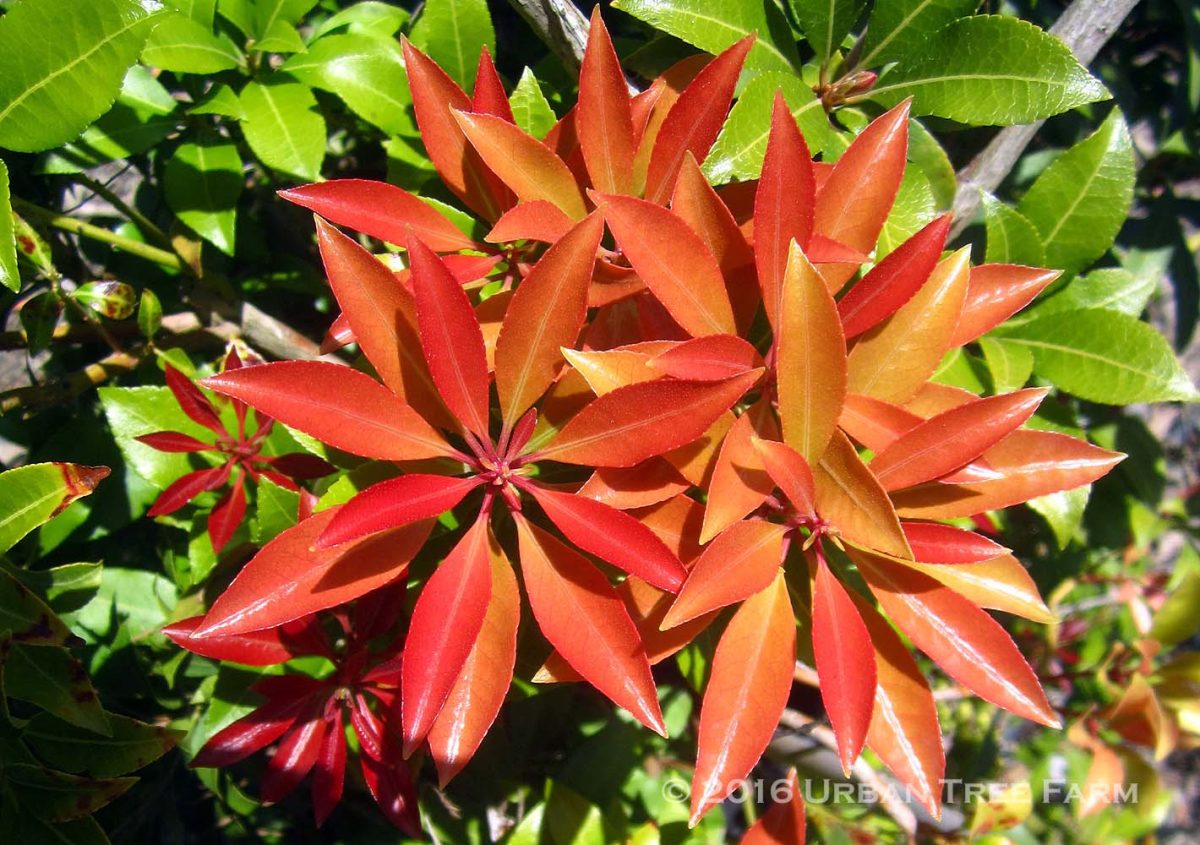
638	411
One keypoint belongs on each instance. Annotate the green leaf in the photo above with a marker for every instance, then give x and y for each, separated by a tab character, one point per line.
366	71
914	207
530	107
571	819
221	100
10	276
203	181
149	314
961	369
201	11
51	678
53	796
1063	512
902	28
179	43
739	150
146	602
30	495
39	316
1103	356
28	828
1177	621
1110	288
370	17
240	13
991	71
713	25
1010	364
114	300
131	746
134	411
64	65
452	32
826	22
1011	238
64	588
276	511
1080	201
284	128
26	617
926	152
274	25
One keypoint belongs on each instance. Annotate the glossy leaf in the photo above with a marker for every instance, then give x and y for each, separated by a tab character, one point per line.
203	181
791	474
446	623
633	423
901	29
784	821
452	32
673	262
256	648
849	497
710	358
1011	237
740	482
825	24
35	493
584	619
10	276
932	542
994	293
1001	583
284	128
335	404
529	105
394	503
538	220
603	118
746	693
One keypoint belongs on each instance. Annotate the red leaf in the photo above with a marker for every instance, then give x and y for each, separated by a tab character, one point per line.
603	118
783	823
173	441
194	403
489	95
933	542
740	482
339	406
633	423
384	319
436	97
479	690
747	691
874	423
783	205
964	641
613	536
811	367
257	648
445	625
294	758
711	358
648	483
695	119
330	770
300	466
228	514
893	281
531	221
856	198
742	561
380	210
1031	464
545	314
845	662
395	503
388	778
527	166
451	339
791	474
673	261
188	487
994	293
953	439
288	579
584	618
249	734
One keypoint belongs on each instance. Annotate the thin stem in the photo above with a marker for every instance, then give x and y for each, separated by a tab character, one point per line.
148	226
87	230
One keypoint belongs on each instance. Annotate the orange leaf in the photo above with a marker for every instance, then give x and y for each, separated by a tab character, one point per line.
645	484
546	314
845	663
995	293
603	118
479	690
695	119
742	561
895	358
633	423
810	370
791	473
539	220
605	371
710	358
964	641
740	482
783	823
783	208
747	691
953	439
1031	464
998	584
696	460
851	499
855	199
585	620
527	166
446	623
673	261
874	423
